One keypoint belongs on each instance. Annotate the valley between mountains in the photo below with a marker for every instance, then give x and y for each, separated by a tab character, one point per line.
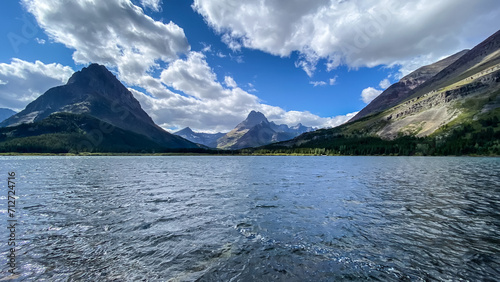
451	107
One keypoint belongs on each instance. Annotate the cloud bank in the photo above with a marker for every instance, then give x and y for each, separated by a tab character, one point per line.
207	104
22	82
354	33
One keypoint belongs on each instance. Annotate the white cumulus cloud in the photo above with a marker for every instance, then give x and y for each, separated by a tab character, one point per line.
229	81
354	33
370	93
209	106
116	33
119	35
333	80
154	5
385	83
22	82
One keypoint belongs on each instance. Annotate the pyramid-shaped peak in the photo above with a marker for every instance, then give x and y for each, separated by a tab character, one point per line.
252	120
256	116
95	66
186	130
94	72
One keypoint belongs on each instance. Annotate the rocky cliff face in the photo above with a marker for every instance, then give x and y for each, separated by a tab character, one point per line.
465	91
253	119
424	115
471	78
96	91
474	79
403	89
473	64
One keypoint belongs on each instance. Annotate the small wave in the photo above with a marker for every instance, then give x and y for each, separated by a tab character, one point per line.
266	206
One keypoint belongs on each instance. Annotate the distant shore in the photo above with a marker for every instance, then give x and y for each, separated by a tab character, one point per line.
221	154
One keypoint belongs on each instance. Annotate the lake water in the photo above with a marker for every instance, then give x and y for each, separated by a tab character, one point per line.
254	218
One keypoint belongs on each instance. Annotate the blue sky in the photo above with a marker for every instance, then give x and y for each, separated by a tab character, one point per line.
207	63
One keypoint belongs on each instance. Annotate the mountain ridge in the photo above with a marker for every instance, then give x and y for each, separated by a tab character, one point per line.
457	111
207	139
73	133
256	130
483	56
399	91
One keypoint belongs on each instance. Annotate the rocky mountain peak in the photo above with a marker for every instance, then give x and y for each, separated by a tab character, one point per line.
256	116
95	91
99	80
256	130
299	125
186	130
93	72
252	120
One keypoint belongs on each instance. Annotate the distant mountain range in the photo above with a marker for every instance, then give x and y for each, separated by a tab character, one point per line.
256	131
96	93
450	107
6	113
207	139
94	110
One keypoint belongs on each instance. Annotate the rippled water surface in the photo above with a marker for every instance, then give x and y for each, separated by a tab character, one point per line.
254	218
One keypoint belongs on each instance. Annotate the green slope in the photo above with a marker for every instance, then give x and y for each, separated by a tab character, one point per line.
455	112
95	91
73	133
479	136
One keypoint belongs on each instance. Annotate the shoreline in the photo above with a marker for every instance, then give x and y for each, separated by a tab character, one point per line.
14	154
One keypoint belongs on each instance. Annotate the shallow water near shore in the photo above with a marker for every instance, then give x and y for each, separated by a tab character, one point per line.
254	218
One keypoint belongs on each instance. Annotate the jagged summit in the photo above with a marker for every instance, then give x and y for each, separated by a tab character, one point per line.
186	130
256	130
92	73
252	120
253	115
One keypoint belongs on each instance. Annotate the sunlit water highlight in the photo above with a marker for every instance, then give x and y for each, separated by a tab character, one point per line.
255	218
